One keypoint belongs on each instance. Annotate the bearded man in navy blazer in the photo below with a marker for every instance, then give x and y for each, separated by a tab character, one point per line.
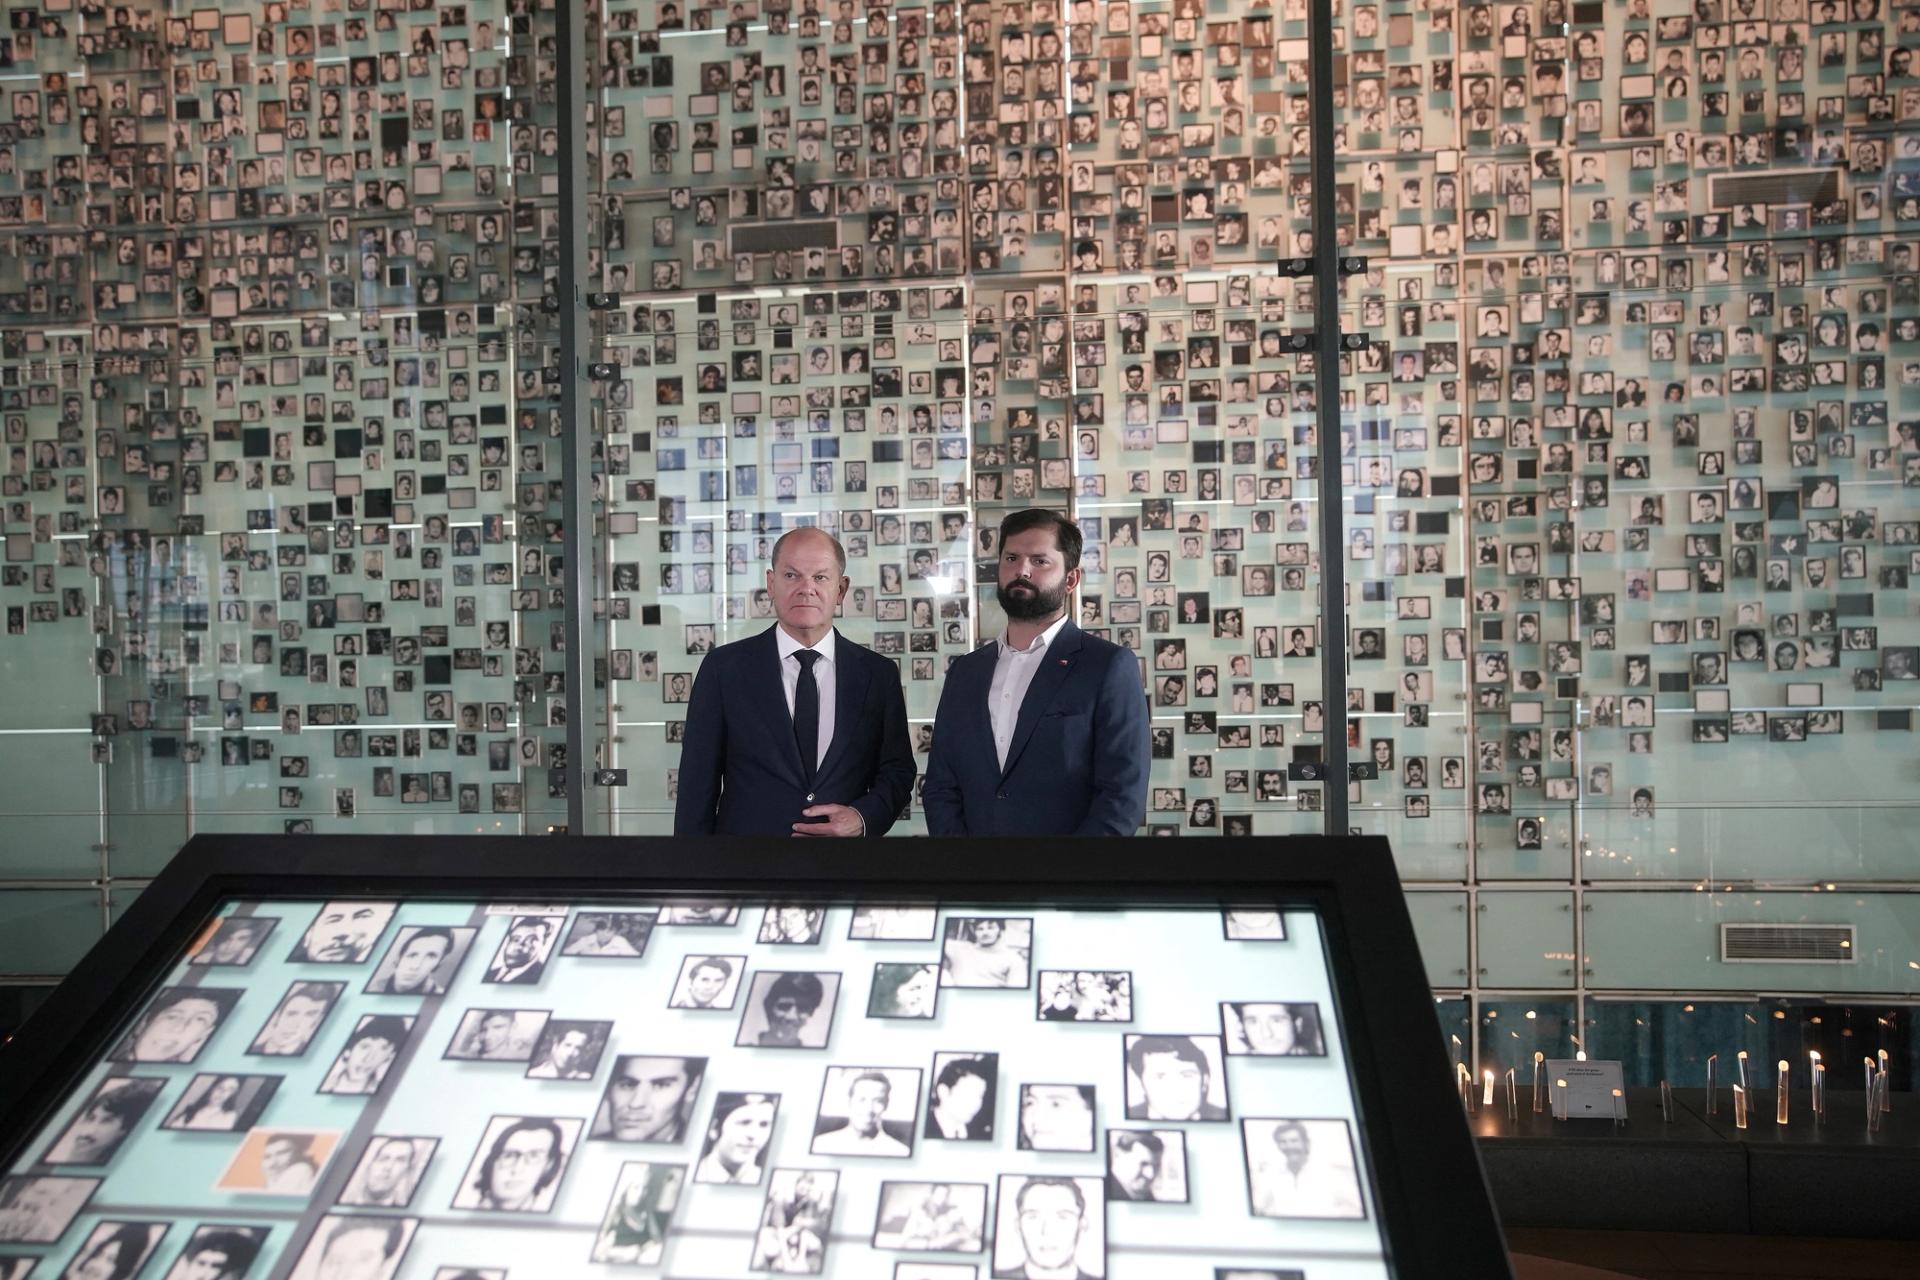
1044	731
798	730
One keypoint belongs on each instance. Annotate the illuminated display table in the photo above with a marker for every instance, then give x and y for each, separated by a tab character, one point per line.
923	1060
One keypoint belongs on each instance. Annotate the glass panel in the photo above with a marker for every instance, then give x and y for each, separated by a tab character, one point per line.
1513	1030
1440	924
1526	940
46	930
1667	941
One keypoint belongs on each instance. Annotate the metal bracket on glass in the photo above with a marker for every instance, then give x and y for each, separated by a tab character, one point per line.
601	371
1350	265
602	301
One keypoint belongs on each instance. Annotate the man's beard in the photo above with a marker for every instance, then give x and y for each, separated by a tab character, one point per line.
1025	608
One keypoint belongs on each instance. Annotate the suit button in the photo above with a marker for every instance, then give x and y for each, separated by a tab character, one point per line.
1003	795
809	797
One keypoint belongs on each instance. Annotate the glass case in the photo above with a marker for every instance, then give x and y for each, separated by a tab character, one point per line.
425	1064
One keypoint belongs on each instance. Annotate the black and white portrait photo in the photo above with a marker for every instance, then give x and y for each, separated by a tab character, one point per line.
1147	1164
569	1049
342	933
115	1248
791	925
931	1217
867	1111
39	1209
734	1150
1056	1117
1176	1078
794	1222
518	1164
104	1121
961	1103
1050	1225
789	1010
521	958
497	1035
634	1230
221	1103
235	940
218	1250
1250	924
708	982
986	951
389	1172
289	1030
1272	1029
1301	1169
355	1247
609	935
649	1099
421	960
176	1025
893	924
904	990
363	1062
1084	995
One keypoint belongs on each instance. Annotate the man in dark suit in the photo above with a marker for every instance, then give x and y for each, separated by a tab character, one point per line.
1043	732
797	730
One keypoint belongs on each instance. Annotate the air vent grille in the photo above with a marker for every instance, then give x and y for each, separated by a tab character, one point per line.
1786	943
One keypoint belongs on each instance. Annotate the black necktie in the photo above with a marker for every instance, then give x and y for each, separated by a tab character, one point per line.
806	714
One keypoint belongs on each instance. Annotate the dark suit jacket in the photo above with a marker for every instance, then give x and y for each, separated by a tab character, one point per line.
740	766
1079	757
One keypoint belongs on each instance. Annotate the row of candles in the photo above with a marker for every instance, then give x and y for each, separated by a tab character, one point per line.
1878	1084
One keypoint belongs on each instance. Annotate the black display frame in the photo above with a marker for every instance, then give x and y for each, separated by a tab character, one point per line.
1437	1216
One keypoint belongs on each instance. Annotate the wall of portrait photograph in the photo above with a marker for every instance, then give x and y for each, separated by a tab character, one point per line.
1627	454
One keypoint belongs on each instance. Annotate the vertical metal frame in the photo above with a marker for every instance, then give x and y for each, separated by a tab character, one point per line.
1326	370
576	434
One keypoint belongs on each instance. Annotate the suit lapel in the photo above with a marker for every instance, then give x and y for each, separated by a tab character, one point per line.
1055	666
773	709
849	700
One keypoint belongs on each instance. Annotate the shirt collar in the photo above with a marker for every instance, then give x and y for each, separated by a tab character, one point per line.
789	646
1042	642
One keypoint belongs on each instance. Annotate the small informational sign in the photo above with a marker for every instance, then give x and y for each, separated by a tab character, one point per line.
1589	1089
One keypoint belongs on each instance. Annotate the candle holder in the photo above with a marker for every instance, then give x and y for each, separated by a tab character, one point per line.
1619	1108
1780	1095
1886	1084
1464	1081
1713	1094
1819	1087
1539	1093
1739	1107
1666	1103
1513	1095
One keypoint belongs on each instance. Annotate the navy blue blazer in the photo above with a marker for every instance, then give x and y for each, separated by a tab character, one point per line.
1080	752
740	765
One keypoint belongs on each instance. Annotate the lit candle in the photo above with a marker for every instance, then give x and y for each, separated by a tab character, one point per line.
1741	1059
1739	1107
1619	1106
1886	1085
1539	1095
1579	1055
1780	1096
1486	1093
1560	1100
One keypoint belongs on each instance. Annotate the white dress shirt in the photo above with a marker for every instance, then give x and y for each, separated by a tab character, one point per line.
1012	675
822	678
